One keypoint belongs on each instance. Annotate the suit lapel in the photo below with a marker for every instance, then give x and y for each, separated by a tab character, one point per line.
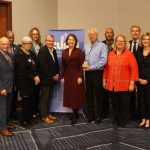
5	61
49	55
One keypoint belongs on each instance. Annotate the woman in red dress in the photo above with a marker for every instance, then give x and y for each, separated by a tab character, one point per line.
72	76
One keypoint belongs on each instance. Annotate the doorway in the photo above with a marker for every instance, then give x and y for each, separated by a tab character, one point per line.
5	17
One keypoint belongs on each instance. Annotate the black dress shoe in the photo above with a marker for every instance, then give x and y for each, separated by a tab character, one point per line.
31	123
71	118
24	124
90	120
98	120
74	120
122	125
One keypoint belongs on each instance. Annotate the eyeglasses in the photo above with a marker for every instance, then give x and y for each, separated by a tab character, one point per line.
35	34
27	43
120	41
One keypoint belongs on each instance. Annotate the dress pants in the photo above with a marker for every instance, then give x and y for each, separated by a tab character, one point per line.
36	100
94	94
144	100
27	108
133	105
106	103
44	104
5	107
121	106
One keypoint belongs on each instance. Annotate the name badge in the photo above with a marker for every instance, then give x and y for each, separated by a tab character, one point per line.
29	60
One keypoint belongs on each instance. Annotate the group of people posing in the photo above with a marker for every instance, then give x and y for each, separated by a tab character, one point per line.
103	72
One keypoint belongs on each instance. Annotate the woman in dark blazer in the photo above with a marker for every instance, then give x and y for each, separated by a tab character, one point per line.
72	76
143	85
26	79
35	35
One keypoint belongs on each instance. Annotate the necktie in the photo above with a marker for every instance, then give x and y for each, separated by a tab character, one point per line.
134	48
8	59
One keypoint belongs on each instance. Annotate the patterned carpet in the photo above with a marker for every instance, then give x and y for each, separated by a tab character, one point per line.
63	136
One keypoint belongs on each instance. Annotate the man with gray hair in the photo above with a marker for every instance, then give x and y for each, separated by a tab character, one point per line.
95	59
49	74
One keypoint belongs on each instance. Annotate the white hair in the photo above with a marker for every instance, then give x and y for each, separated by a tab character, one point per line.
92	29
26	39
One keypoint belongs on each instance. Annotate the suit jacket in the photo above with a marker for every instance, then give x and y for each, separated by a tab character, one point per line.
143	65
25	72
6	73
48	67
138	48
15	49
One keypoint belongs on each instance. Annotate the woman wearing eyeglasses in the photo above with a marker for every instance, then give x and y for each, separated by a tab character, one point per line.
120	74
26	79
36	45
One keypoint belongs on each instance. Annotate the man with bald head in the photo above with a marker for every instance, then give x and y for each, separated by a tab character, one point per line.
109	38
95	60
6	84
13	49
109	41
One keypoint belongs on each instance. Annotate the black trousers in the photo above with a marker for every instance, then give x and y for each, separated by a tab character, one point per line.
144	100
133	105
94	93
27	108
14	104
44	104
106	103
121	106
36	100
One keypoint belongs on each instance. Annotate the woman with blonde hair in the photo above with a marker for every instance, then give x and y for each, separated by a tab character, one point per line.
120	74
143	85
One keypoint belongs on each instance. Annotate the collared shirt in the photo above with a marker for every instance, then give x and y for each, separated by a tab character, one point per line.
11	49
132	45
36	47
96	55
51	52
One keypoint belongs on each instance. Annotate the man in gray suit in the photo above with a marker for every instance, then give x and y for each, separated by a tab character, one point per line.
6	84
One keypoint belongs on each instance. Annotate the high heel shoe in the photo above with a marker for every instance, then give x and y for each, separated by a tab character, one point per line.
147	124
142	124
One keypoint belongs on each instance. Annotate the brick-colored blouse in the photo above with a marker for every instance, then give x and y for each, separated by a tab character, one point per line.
120	70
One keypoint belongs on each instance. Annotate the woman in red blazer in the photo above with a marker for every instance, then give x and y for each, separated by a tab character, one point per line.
120	74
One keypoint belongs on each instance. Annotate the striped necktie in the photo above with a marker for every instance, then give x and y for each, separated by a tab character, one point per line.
8	59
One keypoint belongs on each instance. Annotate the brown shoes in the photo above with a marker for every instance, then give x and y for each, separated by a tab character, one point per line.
11	126
6	133
47	120
51	117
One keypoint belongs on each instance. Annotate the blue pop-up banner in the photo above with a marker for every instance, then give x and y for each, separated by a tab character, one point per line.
60	37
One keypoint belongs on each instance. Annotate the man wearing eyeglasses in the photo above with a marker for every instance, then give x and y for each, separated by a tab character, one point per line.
95	60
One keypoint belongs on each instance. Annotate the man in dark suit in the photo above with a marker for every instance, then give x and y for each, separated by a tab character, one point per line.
6	84
109	41
49	74
14	49
134	47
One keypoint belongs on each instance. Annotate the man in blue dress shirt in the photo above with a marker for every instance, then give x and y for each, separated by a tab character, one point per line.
95	60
